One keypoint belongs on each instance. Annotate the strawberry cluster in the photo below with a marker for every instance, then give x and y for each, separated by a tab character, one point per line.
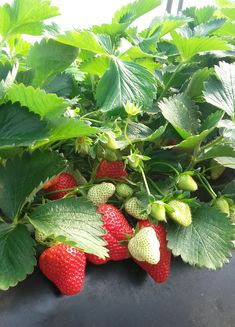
65	265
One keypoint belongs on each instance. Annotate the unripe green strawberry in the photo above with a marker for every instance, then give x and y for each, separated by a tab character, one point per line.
181	214
110	155
186	183
42	239
222	205
216	169
135	162
134	208
100	193
123	190
111	141
158	211
145	246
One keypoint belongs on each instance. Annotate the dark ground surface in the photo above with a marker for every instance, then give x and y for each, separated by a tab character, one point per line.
121	294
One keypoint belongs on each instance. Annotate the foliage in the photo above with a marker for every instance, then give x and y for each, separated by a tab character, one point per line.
162	100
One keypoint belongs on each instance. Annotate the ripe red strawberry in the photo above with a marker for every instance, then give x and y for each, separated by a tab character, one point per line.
160	271
64	266
60	182
111	169
116	226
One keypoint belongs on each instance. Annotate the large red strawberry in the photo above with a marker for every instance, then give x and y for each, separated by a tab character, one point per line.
116	227
111	169
65	266
160	271
61	182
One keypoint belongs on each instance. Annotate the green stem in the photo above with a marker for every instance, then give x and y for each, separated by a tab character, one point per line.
89	113
207	186
154	185
168	84
195	155
145	181
125	132
192	163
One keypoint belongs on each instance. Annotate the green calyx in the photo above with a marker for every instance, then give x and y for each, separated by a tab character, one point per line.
186	183
124	191
83	145
222	205
181	214
45	241
100	193
158	211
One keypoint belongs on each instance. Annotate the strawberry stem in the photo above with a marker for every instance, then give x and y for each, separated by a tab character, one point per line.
207	185
155	186
145	181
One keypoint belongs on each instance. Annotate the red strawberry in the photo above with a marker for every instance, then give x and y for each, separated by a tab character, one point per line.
116	226
64	266
111	169
60	182
171	142
160	271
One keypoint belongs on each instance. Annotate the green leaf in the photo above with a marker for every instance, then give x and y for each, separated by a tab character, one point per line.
196	84
207	242
209	27
67	128
25	17
19	127
112	29
227	130
17	255
49	58
193	141
229	13
61	85
148	63
212	120
21	178
221	93
167	23
182	114
6	83
189	47
95	66
88	41
74	221
200	15
135	53
228	29
230	189
125	81
228	162
134	10
38	101
5	19
219	150
141	132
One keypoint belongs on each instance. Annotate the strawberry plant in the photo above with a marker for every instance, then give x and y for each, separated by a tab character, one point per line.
116	138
